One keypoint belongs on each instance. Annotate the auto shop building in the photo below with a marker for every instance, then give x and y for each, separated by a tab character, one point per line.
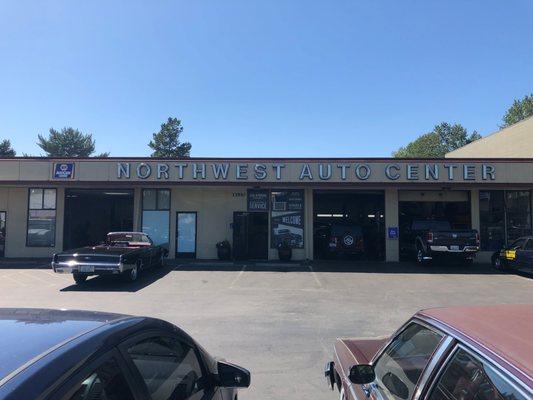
188	205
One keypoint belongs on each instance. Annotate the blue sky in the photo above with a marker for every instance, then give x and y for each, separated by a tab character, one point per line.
275	78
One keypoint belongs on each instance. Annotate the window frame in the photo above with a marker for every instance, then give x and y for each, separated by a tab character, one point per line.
440	353
498	369
506	212
156	190
28	212
70	382
135	373
157	209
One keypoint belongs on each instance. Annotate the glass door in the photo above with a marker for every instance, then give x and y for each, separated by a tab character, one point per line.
185	234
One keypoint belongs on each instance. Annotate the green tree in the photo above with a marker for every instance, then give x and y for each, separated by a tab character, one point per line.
166	142
6	150
68	142
435	144
521	109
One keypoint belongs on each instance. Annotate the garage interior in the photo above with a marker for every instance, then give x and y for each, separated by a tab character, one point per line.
91	213
346	215
451	206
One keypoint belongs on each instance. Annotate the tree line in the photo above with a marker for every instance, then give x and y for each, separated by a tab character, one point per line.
70	142
445	137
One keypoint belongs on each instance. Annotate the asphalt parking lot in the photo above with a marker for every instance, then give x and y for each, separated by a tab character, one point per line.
278	321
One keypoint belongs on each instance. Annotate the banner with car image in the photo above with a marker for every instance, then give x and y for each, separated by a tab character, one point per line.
287	218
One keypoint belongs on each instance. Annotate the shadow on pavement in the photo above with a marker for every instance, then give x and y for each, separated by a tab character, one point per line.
113	283
337	266
25	263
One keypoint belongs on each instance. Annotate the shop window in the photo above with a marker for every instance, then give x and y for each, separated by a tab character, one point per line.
504	216
287	218
156	215
518	213
41	218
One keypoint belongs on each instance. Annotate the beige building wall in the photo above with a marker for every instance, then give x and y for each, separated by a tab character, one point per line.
515	141
14	200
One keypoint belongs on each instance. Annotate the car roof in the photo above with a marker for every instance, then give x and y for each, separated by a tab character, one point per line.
501	330
126	233
27	334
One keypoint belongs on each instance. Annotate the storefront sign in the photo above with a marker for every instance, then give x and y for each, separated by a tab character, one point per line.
258	199
63	170
371	171
287	218
393	232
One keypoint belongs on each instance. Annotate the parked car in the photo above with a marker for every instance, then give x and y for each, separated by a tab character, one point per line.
124	253
517	256
84	355
429	239
345	239
456	353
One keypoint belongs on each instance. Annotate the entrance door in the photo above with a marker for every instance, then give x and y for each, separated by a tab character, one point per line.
2	233
186	234
250	235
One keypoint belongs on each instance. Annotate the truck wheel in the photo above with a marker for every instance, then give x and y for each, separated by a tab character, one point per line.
497	263
131	275
419	256
79	278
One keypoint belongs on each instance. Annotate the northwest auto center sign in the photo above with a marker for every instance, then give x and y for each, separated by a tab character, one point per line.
195	171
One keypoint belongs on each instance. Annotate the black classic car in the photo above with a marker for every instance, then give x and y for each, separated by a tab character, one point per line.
429	239
122	253
517	256
85	355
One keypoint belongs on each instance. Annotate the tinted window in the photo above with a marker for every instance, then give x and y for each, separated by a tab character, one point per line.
431	225
529	245
106	383
400	366
468	378
169	368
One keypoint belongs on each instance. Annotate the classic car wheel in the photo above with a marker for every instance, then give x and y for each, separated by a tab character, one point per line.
132	274
79	278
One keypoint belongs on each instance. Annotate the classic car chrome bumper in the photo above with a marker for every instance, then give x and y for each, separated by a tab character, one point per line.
329	373
446	249
96	268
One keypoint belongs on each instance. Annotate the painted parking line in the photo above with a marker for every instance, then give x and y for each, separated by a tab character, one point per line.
315	276
10	278
238	277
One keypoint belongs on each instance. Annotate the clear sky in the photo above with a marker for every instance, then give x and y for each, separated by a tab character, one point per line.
261	78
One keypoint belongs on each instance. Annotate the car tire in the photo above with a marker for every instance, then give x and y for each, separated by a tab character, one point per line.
79	278
419	255
132	274
160	262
